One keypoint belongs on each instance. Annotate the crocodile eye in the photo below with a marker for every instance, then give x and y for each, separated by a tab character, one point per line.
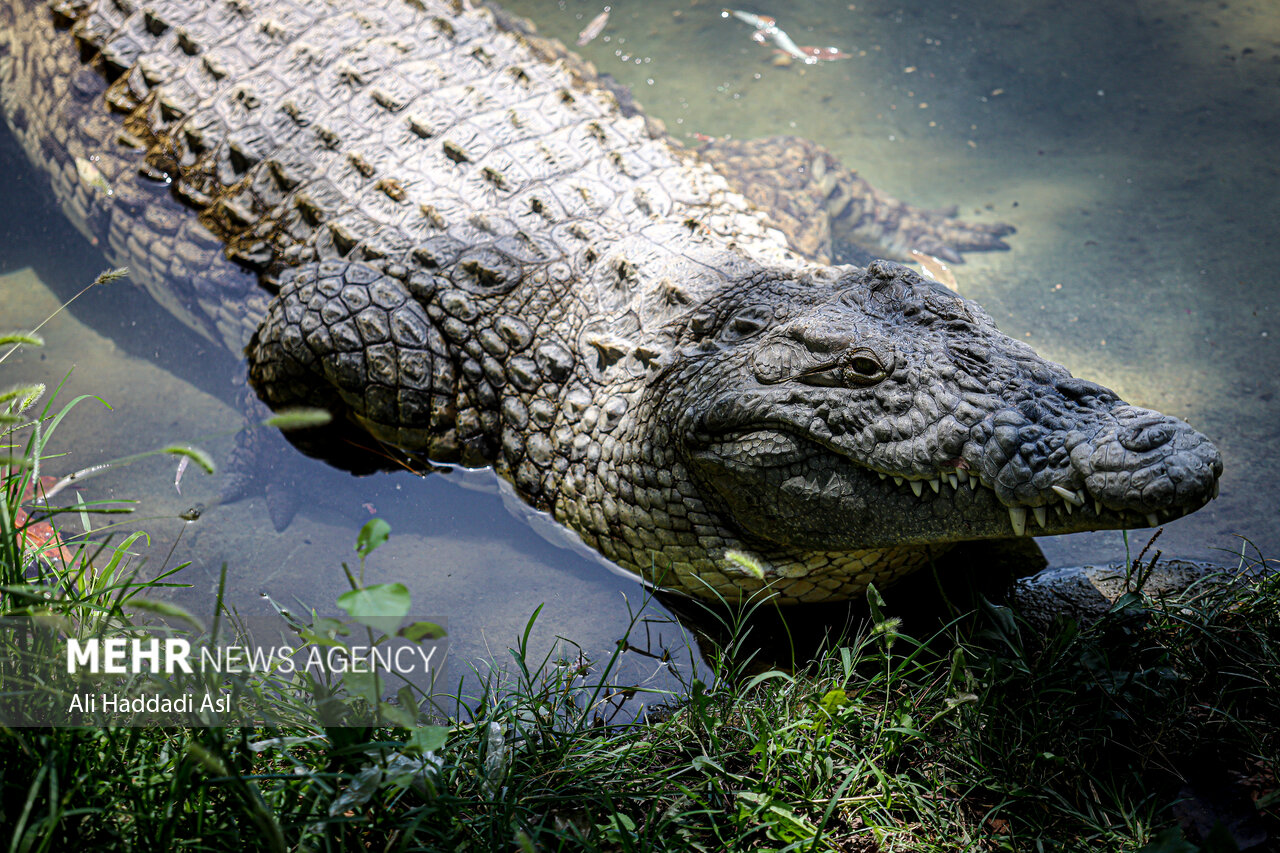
863	367
859	369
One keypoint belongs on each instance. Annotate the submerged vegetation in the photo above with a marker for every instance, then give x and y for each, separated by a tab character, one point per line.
1155	728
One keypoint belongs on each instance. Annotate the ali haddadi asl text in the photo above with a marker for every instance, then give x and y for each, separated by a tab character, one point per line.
118	703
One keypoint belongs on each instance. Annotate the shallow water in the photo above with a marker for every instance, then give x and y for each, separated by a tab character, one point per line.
1131	146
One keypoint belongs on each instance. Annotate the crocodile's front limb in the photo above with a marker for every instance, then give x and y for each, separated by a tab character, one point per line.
817	201
347	338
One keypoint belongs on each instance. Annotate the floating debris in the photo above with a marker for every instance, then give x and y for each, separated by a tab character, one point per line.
767	29
594	28
765	25
824	54
91	176
40	536
182	469
935	269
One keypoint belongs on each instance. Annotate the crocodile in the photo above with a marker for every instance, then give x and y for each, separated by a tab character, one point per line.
457	237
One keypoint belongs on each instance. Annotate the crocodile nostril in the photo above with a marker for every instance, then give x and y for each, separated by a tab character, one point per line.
1140	439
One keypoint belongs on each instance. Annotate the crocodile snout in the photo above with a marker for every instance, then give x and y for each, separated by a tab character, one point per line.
1118	457
1148	462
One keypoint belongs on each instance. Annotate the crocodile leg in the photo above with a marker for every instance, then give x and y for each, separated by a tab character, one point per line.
354	341
817	202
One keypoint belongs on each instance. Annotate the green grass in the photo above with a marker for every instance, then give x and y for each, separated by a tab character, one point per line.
981	735
970	741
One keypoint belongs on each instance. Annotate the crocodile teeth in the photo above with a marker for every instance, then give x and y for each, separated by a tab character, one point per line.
883	475
1153	520
916	487
961	475
1018	518
1067	495
1067	506
1097	507
935	485
953	480
1041	516
897	481
1215	488
973	484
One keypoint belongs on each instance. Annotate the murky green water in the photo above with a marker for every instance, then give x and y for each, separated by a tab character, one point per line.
1131	144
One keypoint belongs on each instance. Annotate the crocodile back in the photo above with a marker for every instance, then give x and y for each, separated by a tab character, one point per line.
406	134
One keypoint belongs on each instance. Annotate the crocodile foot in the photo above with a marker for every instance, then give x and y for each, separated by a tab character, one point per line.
897	228
818	202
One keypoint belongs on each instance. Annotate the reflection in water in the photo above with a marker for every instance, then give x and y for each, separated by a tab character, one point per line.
1129	145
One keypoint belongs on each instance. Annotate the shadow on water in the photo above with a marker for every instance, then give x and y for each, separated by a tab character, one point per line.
1131	145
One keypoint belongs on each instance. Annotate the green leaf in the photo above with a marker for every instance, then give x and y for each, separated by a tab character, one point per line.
422	630
164	608
407	700
211	762
326	626
766	676
833	700
21	338
366	685
373	534
703	763
875	602
382	607
397	715
1220	840
961	699
298	418
617	828
957	679
1170	841
196	455
52	621
321	639
1003	618
1268	800
428	738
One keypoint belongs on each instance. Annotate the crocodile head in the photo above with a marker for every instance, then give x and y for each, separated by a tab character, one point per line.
875	409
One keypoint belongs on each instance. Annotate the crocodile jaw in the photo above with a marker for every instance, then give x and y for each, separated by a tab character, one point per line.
801	493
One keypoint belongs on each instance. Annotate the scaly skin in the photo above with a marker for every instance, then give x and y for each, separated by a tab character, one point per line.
480	257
